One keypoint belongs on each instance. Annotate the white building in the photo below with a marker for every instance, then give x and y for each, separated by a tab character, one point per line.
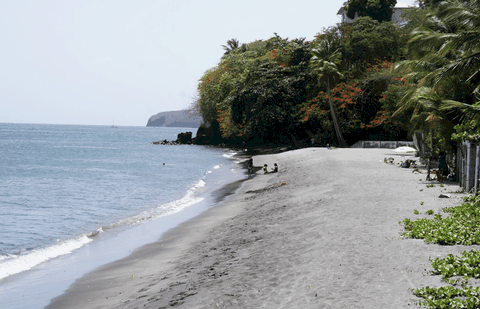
397	19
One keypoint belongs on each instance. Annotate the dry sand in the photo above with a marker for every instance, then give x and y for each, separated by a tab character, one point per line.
328	238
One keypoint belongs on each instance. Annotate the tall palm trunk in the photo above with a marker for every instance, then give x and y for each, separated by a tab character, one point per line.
341	141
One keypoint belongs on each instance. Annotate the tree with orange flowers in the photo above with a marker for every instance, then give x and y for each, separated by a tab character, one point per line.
251	93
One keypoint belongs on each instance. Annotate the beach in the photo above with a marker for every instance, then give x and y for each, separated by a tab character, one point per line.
323	232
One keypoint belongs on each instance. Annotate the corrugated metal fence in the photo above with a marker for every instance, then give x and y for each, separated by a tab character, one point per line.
468	157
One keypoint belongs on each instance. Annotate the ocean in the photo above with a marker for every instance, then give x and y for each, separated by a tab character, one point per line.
75	197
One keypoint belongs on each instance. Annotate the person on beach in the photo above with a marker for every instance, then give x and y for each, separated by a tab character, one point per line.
250	168
265	170
275	168
442	166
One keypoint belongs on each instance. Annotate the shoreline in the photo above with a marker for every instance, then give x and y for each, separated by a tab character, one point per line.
161	254
329	237
35	288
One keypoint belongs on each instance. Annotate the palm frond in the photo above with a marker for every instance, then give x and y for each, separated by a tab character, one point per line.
463	111
462	14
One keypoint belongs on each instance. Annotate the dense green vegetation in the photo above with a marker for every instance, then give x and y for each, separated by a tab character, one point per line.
286	92
378	10
460	227
368	80
449	297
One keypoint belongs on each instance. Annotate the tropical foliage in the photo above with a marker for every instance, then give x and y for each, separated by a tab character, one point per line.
378	10
286	92
459	227
324	66
370	79
253	91
444	68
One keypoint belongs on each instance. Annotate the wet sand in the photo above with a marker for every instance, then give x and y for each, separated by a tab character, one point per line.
328	238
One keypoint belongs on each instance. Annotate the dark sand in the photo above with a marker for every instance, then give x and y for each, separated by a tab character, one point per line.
328	238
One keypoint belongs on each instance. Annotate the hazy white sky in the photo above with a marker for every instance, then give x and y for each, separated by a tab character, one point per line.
104	61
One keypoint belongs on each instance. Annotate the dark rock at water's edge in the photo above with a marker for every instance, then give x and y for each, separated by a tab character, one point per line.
174	119
207	134
182	138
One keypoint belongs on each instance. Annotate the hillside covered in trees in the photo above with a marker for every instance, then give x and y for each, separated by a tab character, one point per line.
367	80
174	119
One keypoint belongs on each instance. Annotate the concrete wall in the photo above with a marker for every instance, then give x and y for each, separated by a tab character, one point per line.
381	144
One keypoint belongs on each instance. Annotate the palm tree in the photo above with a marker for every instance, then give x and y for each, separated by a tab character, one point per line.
465	16
324	62
232	45
449	55
463	41
445	68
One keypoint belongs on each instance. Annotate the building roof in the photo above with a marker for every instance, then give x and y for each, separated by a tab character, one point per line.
401	5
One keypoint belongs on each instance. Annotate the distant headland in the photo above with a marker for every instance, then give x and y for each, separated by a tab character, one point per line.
174	119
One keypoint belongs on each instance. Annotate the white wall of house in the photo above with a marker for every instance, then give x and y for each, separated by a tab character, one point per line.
343	15
398	11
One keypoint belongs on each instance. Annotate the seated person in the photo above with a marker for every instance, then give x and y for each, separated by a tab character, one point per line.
265	170
275	168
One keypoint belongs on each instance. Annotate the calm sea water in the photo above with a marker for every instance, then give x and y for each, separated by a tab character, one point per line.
64	186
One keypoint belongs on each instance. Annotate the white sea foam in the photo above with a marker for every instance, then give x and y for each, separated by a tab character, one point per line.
6	257
95	233
200	184
175	206
189	199
229	155
15	264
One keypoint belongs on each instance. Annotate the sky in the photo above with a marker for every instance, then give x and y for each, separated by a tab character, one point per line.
119	62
